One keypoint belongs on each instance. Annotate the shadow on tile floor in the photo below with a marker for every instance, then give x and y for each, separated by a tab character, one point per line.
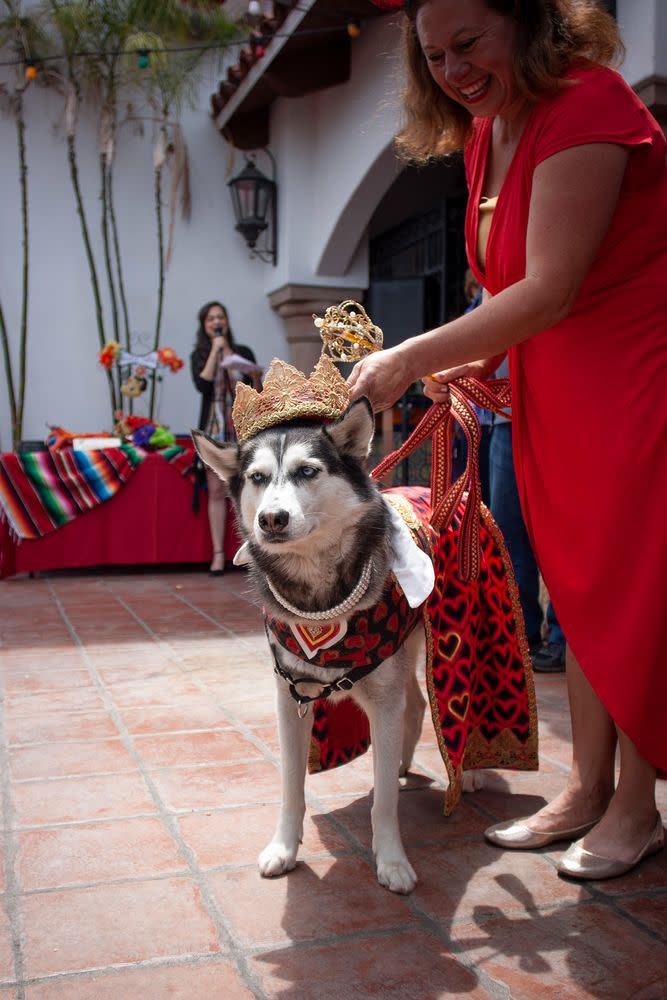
140	779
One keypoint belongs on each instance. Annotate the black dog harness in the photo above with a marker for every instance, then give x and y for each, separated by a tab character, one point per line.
343	683
372	636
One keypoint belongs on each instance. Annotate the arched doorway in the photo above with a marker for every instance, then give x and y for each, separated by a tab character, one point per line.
417	265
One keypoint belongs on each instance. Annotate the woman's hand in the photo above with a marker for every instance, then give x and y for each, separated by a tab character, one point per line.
382	377
436	386
210	369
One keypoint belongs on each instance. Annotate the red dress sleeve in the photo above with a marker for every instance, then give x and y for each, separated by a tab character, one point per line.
598	106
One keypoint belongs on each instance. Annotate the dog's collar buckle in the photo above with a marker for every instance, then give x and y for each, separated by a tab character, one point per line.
344	683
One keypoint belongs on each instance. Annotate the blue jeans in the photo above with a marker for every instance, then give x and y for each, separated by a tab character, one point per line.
460	458
506	509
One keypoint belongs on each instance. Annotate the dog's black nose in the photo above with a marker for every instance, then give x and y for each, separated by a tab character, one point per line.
273	521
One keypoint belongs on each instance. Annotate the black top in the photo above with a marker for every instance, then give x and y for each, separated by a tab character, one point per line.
206	386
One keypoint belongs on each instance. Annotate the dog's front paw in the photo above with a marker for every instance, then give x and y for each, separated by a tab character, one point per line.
473	781
276	859
397	876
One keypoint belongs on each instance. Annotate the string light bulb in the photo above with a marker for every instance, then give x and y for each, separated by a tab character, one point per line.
30	72
143	59
254	13
353	29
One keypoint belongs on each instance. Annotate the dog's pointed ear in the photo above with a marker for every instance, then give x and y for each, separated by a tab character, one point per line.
353	433
221	457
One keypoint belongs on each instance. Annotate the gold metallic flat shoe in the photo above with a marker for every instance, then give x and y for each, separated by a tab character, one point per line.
577	862
516	836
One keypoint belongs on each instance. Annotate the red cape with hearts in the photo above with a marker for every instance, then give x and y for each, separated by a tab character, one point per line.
478	672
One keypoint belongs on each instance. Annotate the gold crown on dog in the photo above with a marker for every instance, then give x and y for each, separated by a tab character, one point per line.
289	395
347	334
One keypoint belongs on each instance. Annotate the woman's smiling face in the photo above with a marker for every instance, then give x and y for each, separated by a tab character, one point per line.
216	319
470	51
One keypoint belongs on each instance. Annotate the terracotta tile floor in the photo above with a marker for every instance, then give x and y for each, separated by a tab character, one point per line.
139	782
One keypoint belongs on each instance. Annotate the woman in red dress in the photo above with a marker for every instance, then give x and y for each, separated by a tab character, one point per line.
569	168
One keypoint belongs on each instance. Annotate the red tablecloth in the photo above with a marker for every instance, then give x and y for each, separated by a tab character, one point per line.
150	520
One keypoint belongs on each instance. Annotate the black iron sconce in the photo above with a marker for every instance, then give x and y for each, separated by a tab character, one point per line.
255	197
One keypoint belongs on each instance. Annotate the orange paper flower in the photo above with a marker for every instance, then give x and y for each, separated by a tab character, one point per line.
168	357
109	353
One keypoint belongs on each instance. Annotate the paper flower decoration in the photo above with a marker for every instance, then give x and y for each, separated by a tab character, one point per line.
142	431
133	387
109	353
142	436
168	357
135	373
161	438
132	422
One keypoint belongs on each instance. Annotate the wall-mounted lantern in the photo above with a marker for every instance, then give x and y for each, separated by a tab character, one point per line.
254	197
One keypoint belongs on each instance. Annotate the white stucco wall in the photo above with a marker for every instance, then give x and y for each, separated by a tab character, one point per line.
643	25
334	163
660	38
210	260
328	144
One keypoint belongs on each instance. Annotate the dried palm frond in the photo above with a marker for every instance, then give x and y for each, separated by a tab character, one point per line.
180	180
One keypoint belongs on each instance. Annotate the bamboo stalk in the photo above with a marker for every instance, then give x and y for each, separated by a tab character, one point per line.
104	173
8	369
119	269
85	233
107	253
160	294
17	430
119	274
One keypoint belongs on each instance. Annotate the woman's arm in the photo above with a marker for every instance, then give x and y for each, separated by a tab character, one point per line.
210	368
197	370
573	201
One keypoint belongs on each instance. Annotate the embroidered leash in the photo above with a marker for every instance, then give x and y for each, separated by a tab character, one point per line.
495	394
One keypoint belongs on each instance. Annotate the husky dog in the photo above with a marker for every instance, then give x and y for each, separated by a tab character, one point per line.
319	540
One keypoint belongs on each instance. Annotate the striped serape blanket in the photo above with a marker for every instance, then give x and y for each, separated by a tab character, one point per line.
42	490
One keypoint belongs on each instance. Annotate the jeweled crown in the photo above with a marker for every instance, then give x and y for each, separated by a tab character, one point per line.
288	395
347	334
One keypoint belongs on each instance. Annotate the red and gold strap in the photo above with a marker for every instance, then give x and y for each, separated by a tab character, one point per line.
495	394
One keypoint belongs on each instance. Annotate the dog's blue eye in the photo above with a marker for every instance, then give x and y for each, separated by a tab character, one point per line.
258	478
308	471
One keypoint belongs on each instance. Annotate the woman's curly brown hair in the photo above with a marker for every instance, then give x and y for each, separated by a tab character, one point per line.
552	34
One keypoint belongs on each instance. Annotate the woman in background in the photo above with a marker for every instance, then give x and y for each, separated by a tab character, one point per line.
217	363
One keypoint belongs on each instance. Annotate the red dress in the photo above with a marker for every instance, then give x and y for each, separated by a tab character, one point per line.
590	403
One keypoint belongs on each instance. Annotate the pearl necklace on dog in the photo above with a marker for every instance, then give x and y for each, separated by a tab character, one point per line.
340	609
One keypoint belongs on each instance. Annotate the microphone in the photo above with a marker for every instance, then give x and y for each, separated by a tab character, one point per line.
217	331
